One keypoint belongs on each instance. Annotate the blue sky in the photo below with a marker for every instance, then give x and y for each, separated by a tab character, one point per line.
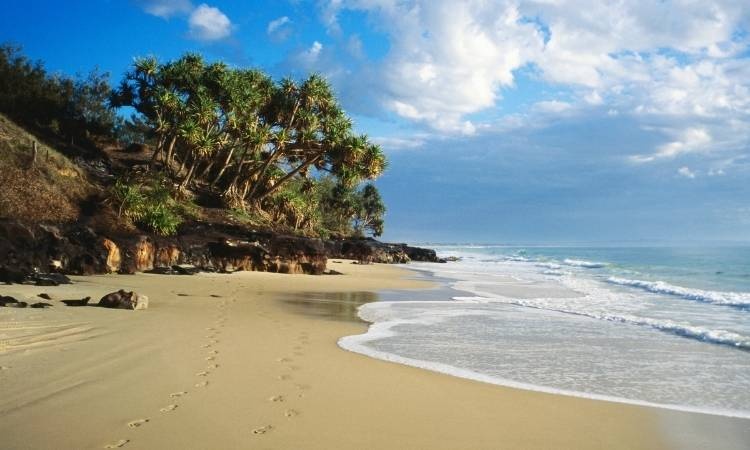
504	121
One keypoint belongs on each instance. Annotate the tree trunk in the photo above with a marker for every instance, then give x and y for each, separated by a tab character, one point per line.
286	177
190	173
170	152
224	166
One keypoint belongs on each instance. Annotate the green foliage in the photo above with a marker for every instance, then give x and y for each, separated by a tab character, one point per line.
150	203
74	109
369	211
253	140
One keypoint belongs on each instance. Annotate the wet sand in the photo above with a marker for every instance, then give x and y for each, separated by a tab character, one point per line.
250	360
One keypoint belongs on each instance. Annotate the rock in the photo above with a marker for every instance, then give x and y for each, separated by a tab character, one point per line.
332	272
144	254
138	255
167	256
45	296
82	302
368	250
124	300
18	305
48	279
7	300
9	276
180	270
174	270
41	305
114	259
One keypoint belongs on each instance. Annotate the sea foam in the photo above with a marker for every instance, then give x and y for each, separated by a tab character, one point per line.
583	263
739	299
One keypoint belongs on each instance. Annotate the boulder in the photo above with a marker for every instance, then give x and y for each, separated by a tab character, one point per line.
124	300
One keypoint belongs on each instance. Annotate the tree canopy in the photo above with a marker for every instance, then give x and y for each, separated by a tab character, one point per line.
255	142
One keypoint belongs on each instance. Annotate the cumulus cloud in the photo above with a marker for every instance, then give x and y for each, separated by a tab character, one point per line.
166	8
207	23
679	65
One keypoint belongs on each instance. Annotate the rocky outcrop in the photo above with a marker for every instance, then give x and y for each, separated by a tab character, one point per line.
39	254
368	250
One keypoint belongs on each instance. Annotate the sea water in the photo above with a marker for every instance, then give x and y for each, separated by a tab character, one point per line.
658	326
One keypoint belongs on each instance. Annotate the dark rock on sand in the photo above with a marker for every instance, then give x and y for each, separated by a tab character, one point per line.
124	300
45	296
48	279
174	270
7	300
40	305
81	302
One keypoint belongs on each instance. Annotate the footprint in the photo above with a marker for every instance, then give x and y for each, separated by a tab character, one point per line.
302	387
137	423
298	354
210	358
284	377
210	329
293	367
263	429
168	408
201	384
283	360
4	367
276	399
202	374
178	394
117	444
291	413
206	346
213	352
212	366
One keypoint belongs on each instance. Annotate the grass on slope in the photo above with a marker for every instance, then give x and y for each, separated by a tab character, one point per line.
50	190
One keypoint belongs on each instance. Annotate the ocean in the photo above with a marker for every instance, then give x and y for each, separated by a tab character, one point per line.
659	326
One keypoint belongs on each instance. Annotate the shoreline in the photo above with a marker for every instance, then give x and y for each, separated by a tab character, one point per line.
274	376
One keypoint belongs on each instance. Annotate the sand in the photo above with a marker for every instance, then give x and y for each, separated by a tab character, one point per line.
250	361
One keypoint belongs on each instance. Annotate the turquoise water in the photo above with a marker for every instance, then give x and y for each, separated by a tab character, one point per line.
710	268
663	326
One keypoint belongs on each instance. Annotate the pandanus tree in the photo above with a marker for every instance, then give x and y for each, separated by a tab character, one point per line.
242	135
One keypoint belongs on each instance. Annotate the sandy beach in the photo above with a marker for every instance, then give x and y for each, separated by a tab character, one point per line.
250	361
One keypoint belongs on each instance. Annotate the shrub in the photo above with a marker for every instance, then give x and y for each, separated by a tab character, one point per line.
150	204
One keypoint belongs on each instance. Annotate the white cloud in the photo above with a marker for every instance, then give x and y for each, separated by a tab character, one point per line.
276	24
552	106
685	172
166	8
680	65
207	23
690	140
279	29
